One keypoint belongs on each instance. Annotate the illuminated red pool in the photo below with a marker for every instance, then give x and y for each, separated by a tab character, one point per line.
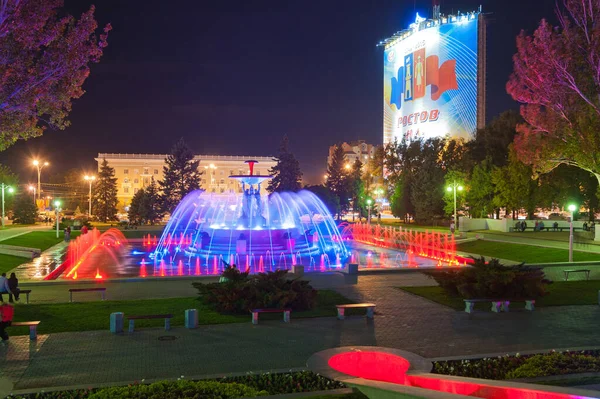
392	368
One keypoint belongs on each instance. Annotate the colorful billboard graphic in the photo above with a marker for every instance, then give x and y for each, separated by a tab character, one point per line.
430	82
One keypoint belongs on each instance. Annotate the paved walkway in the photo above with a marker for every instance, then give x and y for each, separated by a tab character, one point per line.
5	234
529	238
402	321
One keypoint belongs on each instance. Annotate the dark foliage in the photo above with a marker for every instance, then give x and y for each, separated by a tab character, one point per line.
241	293
492	280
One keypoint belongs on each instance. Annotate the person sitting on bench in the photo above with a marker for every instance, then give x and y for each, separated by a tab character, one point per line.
555	226
7	311
4	286
13	284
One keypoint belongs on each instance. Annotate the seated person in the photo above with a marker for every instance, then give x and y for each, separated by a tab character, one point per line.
541	226
555	226
13	284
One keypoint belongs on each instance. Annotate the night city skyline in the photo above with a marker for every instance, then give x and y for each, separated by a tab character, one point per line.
233	80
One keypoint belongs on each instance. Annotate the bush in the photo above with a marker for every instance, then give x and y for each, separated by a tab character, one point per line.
529	366
272	384
179	389
265	290
492	280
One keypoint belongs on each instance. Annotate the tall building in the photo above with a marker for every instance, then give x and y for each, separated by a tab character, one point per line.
135	171
354	150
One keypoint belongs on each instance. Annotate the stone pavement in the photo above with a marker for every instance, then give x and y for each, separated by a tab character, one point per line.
402	321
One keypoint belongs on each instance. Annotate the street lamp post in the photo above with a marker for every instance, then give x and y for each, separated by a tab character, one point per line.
10	190
57	210
572	209
39	165
369	201
90	179
452	188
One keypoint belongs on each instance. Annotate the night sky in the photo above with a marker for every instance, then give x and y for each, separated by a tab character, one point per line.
232	77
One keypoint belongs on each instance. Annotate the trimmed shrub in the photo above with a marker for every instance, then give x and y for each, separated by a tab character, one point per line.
179	389
274	384
492	280
263	290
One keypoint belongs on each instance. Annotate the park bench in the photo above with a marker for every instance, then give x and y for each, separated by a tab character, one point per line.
72	290
342	308
498	305
586	271
286	314
167	318
32	327
26	292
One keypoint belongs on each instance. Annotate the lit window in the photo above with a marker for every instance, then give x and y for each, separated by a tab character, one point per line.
155	171
135	190
222	190
136	181
222	181
125	171
126	190
136	171
146	180
126	180
146	171
231	172
203	181
222	172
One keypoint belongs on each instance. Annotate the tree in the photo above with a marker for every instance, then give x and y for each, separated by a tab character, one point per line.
45	61
374	169
357	189
427	183
8	177
286	172
493	140
336	178
557	79
137	207
153	207
181	176
105	194
25	211
481	190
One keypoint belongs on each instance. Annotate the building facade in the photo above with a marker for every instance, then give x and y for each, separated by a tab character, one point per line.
354	150
136	171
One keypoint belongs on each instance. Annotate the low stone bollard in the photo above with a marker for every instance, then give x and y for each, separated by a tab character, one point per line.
191	318
116	322
298	270
352	268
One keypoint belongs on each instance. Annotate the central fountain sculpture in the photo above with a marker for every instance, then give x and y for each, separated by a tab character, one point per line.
251	230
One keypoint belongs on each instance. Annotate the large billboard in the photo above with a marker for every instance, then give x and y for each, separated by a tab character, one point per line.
430	80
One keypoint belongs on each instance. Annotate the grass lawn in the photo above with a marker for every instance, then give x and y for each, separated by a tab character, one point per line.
559	294
523	253
86	316
38	239
9	262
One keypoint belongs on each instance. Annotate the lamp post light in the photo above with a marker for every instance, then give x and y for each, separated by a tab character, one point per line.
571	209
32	189
453	188
39	165
369	202
90	179
57	210
10	190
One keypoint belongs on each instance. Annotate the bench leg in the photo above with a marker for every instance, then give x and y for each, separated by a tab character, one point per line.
566	276
370	312
587	275
496	307
167	324
27	297
286	317
505	305
131	325
530	305
104	295
340	315
469	307
70	296
32	333
254	317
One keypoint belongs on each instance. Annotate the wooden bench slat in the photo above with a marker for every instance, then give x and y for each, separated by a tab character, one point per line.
24	323
86	289
357	305
270	310
25	291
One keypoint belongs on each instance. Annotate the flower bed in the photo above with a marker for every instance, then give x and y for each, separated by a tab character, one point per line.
522	366
228	387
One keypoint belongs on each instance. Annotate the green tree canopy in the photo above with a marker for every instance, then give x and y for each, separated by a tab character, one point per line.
286	173
180	176
105	194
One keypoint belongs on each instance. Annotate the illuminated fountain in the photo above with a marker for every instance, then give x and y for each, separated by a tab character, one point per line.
250	230
93	255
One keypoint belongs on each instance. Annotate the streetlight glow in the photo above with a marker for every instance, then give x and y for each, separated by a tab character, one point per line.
57	203
39	165
459	188
572	208
11	190
449	189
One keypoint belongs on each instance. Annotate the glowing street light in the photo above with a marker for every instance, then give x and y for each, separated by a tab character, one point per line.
347	166
571	208
39	165
453	188
57	210
90	179
10	190
369	202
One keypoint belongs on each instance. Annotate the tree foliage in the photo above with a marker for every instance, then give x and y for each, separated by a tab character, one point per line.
331	201
557	79
180	176
337	181
286	173
105	194
25	211
145	205
45	61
